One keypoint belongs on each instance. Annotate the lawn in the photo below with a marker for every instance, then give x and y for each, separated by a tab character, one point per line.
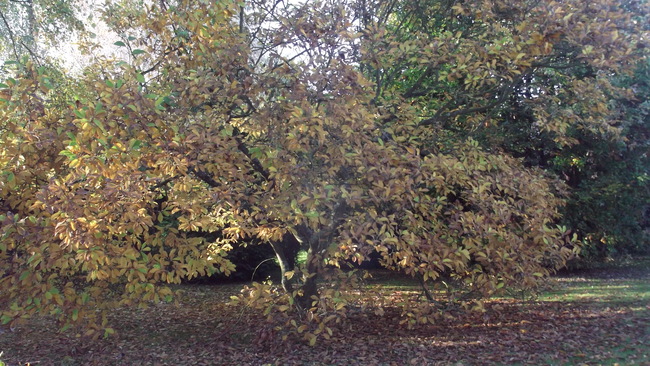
586	318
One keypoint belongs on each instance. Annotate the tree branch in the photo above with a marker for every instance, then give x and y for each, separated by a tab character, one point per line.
155	66
11	35
204	176
503	94
257	166
164	182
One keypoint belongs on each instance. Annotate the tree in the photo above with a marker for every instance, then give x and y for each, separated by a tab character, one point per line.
515	80
198	134
29	27
609	178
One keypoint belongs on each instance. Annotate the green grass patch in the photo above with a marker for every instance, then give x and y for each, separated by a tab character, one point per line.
606	291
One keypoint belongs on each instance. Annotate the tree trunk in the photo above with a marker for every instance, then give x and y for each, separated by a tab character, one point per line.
284	266
286	252
317	243
309	287
32	27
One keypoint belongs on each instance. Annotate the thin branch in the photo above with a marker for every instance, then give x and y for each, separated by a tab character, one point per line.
36	58
502	97
289	60
204	176
164	182
241	19
257	166
414	89
11	35
558	66
155	66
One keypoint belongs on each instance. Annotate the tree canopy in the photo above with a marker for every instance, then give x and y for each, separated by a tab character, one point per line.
351	128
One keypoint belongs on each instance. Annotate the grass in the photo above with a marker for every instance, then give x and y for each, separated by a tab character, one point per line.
612	292
622	287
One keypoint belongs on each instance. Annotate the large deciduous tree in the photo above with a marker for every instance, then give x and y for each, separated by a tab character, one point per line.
251	121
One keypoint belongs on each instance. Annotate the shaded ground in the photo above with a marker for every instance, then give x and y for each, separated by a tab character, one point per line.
596	317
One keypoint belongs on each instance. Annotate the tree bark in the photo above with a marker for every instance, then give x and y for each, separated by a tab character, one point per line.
286	252
317	243
309	287
286	258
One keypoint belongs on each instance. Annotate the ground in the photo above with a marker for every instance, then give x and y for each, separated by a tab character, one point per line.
591	317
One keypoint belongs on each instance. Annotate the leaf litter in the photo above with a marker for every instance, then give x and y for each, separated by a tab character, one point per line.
203	330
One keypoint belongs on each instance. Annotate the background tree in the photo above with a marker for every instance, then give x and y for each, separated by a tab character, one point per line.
30	27
517	84
609	178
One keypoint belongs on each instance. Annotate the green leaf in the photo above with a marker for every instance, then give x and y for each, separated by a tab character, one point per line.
226	131
120	44
66	327
99	124
23	275
138	52
160	100
73	139
140	78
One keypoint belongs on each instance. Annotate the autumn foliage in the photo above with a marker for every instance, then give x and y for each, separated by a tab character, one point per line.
221	123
